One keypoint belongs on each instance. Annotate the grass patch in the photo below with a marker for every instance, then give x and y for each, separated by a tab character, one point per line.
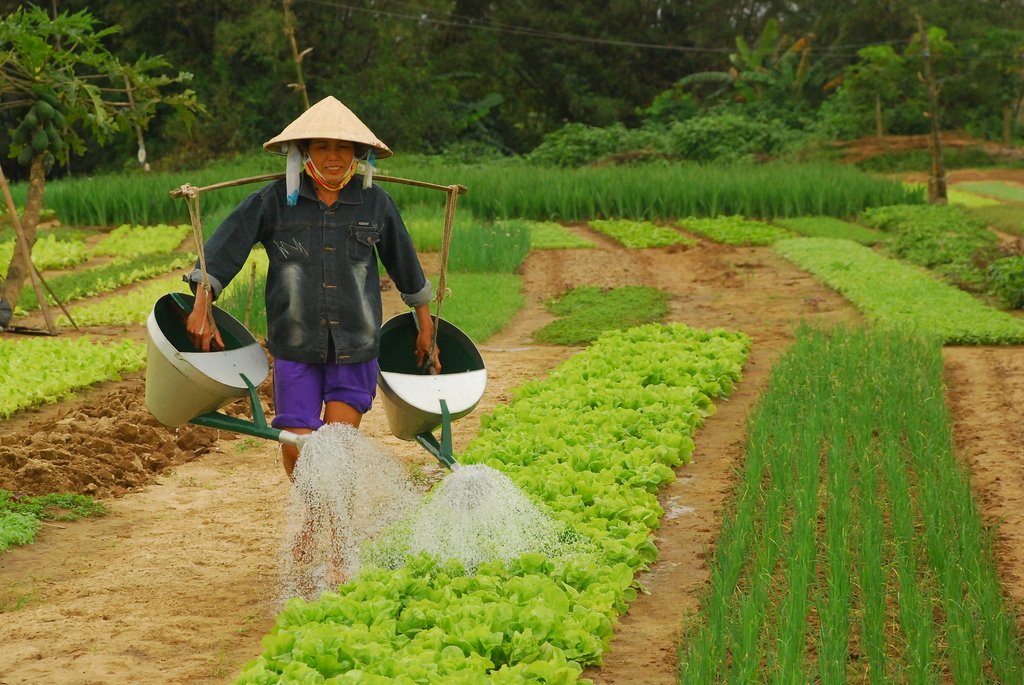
965	199
481	304
1008	218
898	295
830	227
589	311
1004	190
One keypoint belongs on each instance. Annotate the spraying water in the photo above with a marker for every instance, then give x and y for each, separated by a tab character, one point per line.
351	504
475	515
346	490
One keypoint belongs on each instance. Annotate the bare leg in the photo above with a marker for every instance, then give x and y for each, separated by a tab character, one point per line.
335	412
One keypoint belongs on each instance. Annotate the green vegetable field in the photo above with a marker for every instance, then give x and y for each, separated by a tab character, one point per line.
780	430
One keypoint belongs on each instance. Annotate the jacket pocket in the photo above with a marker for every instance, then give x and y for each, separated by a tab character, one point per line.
362	237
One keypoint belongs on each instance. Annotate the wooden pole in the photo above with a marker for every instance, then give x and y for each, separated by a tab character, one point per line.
26	254
178	192
289	30
937	177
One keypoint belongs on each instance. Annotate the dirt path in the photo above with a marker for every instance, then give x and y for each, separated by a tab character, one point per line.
177	584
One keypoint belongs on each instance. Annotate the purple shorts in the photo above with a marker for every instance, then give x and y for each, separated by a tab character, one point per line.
300	390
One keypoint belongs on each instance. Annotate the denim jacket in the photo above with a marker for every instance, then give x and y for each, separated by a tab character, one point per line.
323	280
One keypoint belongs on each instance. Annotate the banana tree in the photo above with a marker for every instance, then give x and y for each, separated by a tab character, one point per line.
59	81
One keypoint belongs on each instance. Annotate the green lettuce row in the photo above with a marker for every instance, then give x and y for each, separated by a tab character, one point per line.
48	252
134	241
734	230
639	234
899	295
36	371
594	441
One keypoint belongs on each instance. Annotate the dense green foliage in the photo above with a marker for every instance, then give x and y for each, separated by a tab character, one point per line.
899	295
1006	279
853	517
593	443
587	312
940	237
474	78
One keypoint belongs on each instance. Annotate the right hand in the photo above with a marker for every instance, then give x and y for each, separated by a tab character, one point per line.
202	331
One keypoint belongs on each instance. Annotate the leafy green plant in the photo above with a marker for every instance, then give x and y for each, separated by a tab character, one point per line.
639	234
730	137
128	241
830	227
899	295
37	371
734	230
127	309
21	517
589	311
1006	276
101	279
48	252
549	235
592	443
940	237
577	144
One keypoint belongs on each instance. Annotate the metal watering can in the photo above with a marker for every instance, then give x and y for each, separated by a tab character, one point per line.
184	385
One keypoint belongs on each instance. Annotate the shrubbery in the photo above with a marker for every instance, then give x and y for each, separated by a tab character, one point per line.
723	136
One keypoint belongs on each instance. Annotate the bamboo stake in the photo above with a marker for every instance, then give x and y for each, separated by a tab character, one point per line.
177	192
26	254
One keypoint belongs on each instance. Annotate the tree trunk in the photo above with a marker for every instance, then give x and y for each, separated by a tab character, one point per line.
879	129
1007	125
18	270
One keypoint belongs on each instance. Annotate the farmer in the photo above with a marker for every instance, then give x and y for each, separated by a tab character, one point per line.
323	227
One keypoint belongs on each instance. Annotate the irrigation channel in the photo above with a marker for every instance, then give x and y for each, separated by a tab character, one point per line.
179	583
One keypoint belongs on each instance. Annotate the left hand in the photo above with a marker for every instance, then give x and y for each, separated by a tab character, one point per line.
423	341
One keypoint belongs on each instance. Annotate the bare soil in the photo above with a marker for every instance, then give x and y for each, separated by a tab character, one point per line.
177	584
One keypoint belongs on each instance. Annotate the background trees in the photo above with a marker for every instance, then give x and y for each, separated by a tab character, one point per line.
434	75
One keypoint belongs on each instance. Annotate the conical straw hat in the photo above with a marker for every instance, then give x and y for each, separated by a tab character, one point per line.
327	119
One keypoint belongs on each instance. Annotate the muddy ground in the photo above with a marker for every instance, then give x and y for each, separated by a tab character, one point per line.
177	584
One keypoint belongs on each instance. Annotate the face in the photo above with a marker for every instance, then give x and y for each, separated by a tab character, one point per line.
331	157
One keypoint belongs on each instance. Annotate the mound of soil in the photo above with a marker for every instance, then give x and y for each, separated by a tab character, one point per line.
104	446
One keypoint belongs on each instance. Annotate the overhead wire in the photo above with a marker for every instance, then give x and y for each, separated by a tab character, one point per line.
847	50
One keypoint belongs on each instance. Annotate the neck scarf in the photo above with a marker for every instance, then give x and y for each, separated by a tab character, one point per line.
315	174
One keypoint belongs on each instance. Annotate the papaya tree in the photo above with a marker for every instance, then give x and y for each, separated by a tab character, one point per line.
60	84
